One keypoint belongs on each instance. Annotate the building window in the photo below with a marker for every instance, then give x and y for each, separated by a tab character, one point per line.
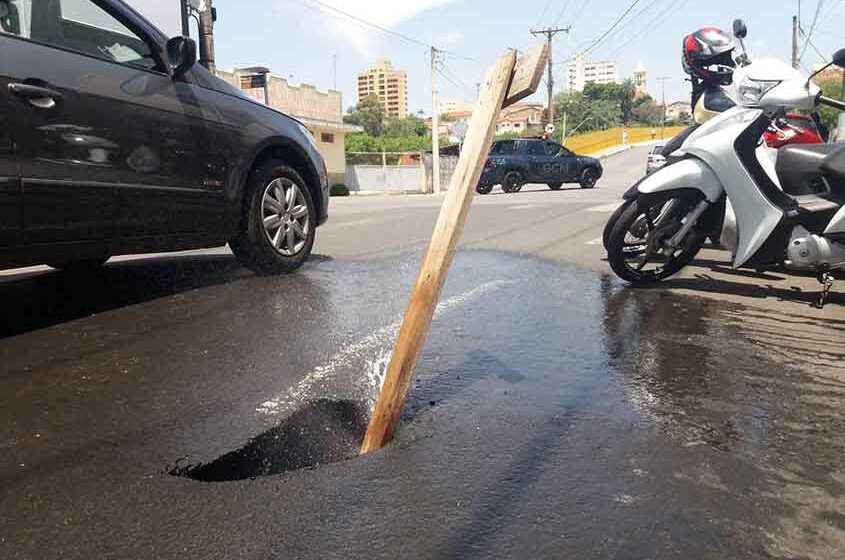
326	138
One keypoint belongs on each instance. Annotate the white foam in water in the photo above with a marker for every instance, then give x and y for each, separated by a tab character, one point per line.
374	349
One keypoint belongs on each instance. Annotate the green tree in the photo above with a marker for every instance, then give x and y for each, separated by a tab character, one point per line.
409	126
627	93
829	115
649	114
369	113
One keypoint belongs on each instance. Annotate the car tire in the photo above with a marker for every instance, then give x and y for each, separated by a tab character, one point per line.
81	266
512	183
484	189
589	178
555	186
278	222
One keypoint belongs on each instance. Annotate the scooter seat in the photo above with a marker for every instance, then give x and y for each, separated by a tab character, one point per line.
800	167
833	166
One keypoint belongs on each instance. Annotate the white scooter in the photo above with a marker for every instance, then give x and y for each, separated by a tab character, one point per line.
724	159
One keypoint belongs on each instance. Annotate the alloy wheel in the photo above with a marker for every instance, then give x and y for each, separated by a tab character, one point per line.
285	216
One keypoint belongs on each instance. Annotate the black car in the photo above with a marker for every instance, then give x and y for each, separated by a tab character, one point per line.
114	141
514	163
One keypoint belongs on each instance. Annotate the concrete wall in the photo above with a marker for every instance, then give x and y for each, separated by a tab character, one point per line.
303	101
334	153
391	178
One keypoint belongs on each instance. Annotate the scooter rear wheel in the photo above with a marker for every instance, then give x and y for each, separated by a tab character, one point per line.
636	244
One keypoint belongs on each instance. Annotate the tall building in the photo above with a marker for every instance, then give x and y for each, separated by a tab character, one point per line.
389	84
641	80
579	72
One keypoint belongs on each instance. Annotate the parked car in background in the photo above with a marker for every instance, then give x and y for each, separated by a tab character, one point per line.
514	163
656	159
123	144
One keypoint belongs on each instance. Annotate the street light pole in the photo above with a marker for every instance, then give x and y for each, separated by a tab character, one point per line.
663	93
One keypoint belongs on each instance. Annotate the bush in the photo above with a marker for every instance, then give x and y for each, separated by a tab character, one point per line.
339	190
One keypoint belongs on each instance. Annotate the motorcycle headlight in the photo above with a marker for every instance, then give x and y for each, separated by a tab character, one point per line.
750	92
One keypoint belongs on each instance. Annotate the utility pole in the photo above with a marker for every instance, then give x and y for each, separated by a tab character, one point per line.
796	29
186	27
550	33
662	81
435	123
207	17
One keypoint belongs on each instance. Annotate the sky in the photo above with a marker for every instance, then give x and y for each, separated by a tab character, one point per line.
300	40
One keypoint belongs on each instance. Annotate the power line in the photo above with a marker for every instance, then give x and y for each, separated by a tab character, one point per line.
651	25
596	42
545	11
562	11
634	18
338	13
812	29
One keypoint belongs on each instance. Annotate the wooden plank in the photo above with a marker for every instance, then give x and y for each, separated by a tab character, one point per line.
438	258
527	75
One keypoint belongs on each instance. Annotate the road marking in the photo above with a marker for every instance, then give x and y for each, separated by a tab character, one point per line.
351	224
375	349
604	208
596	241
521	207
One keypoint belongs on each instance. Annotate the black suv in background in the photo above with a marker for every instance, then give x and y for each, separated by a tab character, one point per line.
114	141
514	163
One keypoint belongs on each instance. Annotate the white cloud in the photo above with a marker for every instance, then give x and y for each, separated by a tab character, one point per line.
385	13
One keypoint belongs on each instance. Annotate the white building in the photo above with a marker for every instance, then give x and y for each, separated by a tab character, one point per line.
455	106
641	80
579	72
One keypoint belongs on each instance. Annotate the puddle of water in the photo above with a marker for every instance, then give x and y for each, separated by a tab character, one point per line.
322	431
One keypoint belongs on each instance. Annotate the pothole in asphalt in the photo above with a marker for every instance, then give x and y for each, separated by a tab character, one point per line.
323	431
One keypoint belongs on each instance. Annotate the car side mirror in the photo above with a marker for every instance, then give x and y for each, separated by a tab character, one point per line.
740	29
839	58
182	54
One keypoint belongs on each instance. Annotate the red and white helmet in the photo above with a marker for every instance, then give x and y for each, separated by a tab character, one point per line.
708	55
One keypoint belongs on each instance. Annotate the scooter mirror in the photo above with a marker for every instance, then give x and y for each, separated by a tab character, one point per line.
839	58
740	29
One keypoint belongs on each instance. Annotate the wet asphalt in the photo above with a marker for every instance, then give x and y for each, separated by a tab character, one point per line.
180	407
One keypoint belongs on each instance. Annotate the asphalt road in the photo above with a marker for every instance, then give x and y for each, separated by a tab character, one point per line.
180	407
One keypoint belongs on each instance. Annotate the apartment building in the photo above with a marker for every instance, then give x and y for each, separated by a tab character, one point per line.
389	84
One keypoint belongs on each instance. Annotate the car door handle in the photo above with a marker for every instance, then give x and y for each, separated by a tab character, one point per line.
38	96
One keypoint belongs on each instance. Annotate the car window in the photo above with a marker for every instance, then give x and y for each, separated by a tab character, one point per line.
536	148
78	25
566	153
504	147
553	149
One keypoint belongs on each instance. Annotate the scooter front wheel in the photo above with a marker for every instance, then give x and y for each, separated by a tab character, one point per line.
638	248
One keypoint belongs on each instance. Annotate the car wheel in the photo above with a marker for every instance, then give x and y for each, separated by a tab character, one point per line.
278	225
512	182
484	189
555	186
589	178
81	266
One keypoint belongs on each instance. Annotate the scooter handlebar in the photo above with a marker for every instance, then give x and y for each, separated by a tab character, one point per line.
831	103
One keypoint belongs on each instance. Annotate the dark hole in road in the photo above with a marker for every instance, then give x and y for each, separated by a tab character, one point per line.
322	431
